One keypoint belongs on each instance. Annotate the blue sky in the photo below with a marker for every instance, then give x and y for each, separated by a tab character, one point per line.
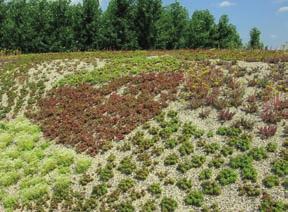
270	16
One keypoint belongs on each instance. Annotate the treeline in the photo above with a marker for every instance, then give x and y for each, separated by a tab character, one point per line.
59	25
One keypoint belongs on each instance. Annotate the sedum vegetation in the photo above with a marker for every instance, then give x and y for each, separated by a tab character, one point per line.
148	131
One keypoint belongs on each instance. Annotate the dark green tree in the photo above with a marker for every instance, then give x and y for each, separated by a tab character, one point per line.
172	27
62	34
255	40
118	26
227	35
89	25
147	14
2	19
202	30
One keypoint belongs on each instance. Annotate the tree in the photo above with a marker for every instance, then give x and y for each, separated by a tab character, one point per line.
255	41
172	27
2	19
202	30
147	14
88	34
62	34
118	26
227	35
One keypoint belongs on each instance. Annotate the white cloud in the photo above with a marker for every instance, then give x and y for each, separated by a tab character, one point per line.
226	4
283	10
274	36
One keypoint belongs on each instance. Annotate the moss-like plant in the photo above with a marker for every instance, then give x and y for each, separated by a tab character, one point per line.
10	202
194	198
184	184
125	184
271	181
226	177
5	140
216	162
34	193
127	166
197	161
242	143
171	159
211	188
9	178
168	205
205	174
228	131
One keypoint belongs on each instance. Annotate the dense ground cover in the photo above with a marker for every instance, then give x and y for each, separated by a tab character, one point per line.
145	131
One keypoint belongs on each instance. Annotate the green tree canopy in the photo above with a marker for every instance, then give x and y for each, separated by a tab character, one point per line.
202	30
227	35
172	27
147	14
255	40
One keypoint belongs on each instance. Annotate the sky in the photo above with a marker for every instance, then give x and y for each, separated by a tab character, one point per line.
270	16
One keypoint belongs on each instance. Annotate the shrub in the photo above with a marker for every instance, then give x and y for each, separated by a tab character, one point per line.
211	188
249	173
280	167
226	177
125	184
168	204
258	153
184	184
171	159
205	174
194	198
127	166
197	161
155	189
271	181
186	148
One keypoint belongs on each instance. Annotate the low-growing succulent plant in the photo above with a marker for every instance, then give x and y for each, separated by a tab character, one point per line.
226	177
211	188
197	161
280	167
171	159
127	166
155	189
271	181
271	147
149	206
194	198
126	184
205	174
249	173
99	190
258	153
225	115
267	131
184	184
250	190
168	204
